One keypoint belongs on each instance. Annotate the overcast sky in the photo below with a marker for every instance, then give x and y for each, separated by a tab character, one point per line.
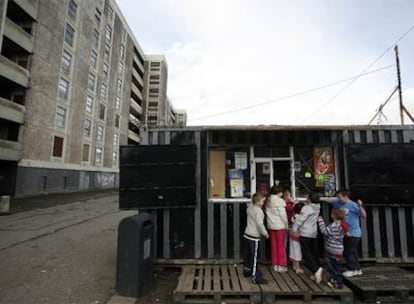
227	54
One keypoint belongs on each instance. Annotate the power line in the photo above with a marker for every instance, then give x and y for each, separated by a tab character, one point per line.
330	100
278	99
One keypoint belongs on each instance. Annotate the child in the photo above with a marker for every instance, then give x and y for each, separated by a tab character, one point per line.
277	223
290	205
334	245
255	229
306	225
353	213
295	253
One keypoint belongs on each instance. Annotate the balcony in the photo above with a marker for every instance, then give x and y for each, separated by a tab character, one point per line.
19	36
137	77
10	150
134	136
11	111
139	64
13	72
136	91
136	108
29	6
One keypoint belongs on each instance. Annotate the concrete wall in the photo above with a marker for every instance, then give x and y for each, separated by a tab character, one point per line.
34	181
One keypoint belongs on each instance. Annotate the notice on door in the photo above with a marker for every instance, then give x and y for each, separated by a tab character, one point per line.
240	160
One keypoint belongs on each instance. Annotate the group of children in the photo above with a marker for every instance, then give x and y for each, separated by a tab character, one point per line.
293	227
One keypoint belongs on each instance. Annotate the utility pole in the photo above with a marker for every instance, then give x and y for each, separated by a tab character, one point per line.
397	60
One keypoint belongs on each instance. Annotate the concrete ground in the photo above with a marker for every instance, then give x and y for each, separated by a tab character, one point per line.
60	254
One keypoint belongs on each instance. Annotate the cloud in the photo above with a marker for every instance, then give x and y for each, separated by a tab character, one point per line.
224	55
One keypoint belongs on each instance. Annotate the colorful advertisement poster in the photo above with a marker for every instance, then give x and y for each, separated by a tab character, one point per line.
324	169
236	182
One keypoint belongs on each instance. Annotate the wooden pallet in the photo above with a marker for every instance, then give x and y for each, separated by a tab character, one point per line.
383	284
215	284
226	283
291	287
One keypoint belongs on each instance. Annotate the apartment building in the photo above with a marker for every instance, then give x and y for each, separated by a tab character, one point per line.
180	117
71	92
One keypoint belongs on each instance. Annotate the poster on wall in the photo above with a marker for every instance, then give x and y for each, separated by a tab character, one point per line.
236	182
324	169
240	160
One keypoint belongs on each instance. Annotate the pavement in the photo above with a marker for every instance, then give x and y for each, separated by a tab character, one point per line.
60	250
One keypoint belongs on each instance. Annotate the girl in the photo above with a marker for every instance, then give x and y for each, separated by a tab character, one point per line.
277	223
295	253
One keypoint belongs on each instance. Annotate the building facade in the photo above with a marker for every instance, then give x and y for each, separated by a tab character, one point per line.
72	83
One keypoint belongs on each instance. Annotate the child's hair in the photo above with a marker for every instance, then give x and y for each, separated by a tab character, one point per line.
276	190
314	197
344	192
298	207
339	214
257	197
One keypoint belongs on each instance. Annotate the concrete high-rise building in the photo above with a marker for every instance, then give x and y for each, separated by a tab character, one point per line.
180	117
155	92
71	92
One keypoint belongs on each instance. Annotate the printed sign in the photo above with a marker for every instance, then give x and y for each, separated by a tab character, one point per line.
240	160
236	181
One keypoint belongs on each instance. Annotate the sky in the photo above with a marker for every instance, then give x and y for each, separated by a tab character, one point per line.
226	55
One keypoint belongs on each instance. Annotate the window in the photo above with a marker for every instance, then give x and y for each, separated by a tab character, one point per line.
101	111
100	133
122	52
117	118
91	81
66	62
98	156
108	32
119	86
57	146
118	103
95	38
154	90
87	128
63	89
94	59
155	64
120	68
124	34
110	13
69	35
85	152
72	8
105	71
154	76
114	158
60	119
107	51
89	104
103	93
116	140
98	15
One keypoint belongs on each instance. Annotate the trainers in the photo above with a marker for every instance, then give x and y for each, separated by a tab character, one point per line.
350	273
261	281
318	275
359	272
276	268
247	274
312	277
283	269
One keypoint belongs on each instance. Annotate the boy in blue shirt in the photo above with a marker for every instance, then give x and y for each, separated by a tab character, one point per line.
353	213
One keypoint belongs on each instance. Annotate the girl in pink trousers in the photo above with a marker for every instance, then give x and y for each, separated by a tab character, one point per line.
277	224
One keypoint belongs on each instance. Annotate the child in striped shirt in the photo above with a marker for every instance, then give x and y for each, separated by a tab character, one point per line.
334	245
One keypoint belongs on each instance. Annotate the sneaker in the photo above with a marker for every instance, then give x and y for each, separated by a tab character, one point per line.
359	272
276	268
350	273
318	275
247	274
283	269
312	277
261	281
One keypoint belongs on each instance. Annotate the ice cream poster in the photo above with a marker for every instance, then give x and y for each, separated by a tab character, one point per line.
236	182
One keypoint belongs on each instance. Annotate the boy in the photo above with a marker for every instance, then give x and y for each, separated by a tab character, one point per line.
255	229
306	225
334	245
353	213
